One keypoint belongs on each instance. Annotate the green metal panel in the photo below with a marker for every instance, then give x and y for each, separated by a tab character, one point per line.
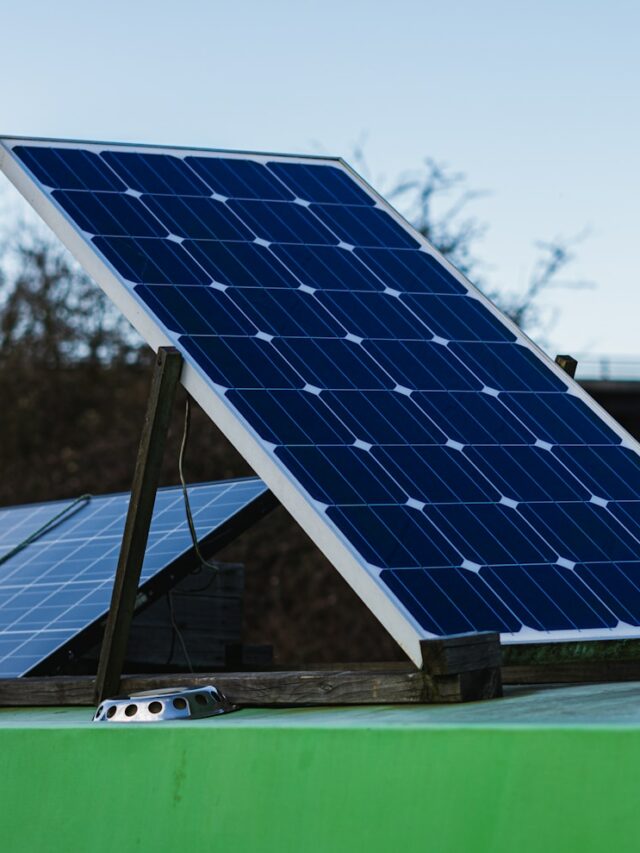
552	771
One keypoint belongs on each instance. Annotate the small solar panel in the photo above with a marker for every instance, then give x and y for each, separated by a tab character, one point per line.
455	476
55	592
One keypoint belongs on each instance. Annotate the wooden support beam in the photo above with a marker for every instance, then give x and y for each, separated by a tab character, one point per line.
461	653
465	665
579	672
583	651
164	383
310	687
381	685
457	669
568	364
571	662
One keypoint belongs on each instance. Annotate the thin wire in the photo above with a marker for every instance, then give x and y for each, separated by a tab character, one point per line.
214	566
205	586
178	632
69	511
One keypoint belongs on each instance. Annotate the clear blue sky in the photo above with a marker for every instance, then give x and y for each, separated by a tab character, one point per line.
536	102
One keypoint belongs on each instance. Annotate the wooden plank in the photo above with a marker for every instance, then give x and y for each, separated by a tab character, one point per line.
471	686
397	684
44	691
371	683
580	652
464	667
461	653
164	383
590	672
367	686
566	663
263	689
568	364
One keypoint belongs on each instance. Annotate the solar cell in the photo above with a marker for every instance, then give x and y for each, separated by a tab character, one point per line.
457	478
54	592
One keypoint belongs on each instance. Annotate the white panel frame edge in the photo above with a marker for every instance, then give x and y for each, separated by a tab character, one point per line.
384	606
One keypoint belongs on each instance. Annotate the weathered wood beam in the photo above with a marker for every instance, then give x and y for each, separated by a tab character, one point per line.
571	662
589	672
164	383
263	689
568	364
467	663
577	651
462	669
461	653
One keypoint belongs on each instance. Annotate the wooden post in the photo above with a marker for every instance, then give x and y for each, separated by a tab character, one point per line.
164	383
568	364
463	668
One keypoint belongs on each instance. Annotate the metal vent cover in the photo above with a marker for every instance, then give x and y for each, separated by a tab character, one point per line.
172	703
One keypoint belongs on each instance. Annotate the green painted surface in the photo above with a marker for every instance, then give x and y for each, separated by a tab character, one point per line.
549	770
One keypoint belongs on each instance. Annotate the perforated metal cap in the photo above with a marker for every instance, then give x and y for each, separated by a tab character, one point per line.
173	703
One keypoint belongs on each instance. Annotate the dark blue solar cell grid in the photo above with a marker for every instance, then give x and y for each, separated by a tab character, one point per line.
196	218
61	583
239	179
161	173
466	477
329	186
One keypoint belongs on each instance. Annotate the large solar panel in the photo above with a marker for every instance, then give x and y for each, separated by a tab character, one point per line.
55	592
456	477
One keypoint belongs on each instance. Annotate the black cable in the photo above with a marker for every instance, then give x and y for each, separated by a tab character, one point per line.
205	586
69	511
214	566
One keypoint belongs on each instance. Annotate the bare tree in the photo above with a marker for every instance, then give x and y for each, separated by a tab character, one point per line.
437	201
51	312
525	307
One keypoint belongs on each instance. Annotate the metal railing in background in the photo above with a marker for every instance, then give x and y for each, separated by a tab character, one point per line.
613	368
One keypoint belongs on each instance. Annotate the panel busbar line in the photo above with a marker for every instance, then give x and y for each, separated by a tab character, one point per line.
455	476
55	592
